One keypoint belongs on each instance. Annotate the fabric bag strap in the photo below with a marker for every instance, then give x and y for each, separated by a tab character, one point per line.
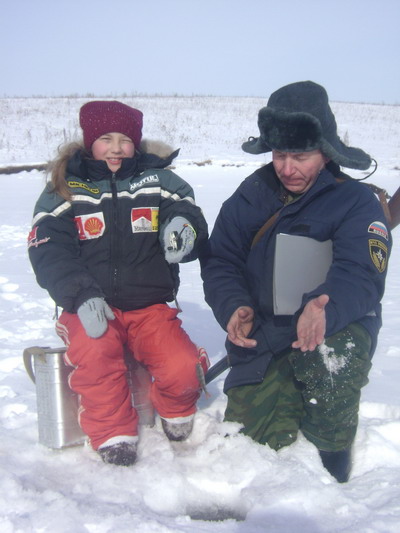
265	227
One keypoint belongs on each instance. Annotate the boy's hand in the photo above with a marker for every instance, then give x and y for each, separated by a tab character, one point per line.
178	239
94	315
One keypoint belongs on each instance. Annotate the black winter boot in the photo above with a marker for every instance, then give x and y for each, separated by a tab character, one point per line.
337	463
177	431
121	454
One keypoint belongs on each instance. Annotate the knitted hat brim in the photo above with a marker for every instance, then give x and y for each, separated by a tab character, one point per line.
100	117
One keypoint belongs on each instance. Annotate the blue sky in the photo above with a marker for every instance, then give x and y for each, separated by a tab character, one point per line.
210	47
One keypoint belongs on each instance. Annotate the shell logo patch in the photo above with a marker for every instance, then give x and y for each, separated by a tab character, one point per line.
90	226
379	228
144	219
378	253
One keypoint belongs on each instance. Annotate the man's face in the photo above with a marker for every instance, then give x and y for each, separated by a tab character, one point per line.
298	171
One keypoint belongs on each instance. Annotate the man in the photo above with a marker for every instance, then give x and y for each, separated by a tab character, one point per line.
302	371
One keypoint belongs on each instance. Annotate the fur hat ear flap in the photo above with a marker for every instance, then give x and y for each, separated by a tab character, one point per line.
255	146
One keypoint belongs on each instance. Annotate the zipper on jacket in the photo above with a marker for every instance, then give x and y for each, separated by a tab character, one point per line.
114	234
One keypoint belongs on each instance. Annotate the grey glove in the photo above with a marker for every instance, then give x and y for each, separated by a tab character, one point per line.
94	315
178	239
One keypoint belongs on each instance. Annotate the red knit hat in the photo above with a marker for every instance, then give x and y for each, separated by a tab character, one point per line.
100	117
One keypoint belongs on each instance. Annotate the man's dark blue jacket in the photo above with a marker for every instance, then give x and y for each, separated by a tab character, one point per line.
236	274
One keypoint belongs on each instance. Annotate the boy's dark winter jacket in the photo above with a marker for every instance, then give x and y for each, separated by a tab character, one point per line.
235	274
105	241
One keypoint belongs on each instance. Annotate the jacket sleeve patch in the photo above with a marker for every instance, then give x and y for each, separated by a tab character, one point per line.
90	226
379	228
33	240
144	219
378	252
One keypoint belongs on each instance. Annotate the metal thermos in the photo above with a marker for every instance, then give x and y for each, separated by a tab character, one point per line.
57	404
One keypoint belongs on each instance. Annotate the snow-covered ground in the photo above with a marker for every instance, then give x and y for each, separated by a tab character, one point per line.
217	473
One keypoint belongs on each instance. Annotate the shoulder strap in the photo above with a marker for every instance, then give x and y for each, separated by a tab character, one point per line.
264	228
383	195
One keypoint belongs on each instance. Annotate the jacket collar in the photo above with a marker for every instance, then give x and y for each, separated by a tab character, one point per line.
90	169
263	186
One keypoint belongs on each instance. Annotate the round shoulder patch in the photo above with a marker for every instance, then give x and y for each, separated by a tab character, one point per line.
379	228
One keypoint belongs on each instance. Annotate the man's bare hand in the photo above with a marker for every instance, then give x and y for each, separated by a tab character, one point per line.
239	326
311	326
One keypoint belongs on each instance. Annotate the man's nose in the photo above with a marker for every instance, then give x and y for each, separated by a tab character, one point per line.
287	167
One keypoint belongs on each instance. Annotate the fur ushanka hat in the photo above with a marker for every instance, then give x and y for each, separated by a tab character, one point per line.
298	118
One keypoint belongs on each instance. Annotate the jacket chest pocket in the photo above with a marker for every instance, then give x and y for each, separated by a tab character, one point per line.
318	229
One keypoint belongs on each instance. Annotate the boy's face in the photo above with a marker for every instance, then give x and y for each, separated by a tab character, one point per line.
298	171
112	148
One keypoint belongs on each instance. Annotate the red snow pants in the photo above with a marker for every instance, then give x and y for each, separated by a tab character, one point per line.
155	336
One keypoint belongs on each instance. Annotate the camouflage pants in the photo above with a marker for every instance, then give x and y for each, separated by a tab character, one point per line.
316	392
